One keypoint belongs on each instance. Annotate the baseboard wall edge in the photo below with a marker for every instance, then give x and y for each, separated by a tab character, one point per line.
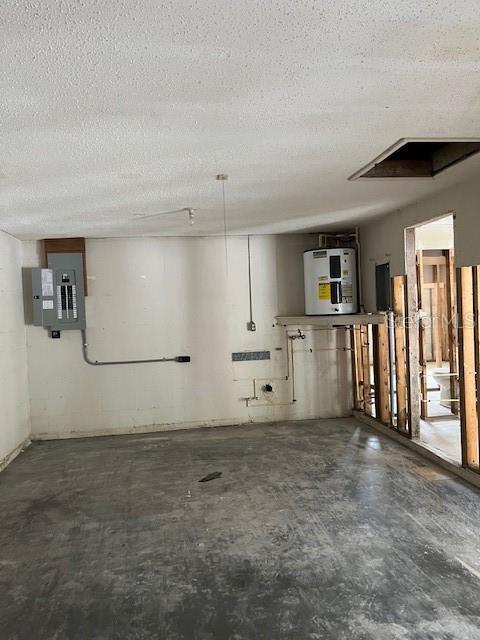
4	462
167	427
468	476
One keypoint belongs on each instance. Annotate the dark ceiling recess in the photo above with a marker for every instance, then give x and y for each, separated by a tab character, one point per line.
416	158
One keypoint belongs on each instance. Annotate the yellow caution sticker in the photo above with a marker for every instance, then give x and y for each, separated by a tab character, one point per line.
323	291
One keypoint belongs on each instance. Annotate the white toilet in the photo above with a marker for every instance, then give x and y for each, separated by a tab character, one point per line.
443	382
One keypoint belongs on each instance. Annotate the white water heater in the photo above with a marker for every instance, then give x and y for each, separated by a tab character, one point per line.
330	281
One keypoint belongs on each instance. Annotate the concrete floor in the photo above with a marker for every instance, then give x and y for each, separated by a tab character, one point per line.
440	432
316	530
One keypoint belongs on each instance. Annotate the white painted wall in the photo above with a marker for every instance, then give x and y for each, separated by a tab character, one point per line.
435	235
151	297
14	408
383	239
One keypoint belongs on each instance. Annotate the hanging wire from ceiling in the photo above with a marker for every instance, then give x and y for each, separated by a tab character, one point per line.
251	326
223	177
189	210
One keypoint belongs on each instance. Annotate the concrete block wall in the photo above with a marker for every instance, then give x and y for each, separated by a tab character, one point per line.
14	397
154	297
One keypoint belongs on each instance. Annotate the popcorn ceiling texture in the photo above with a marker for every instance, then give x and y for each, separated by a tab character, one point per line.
116	108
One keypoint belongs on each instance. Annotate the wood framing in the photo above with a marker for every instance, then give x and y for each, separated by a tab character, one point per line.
68	245
436	301
381	373
398	306
476	338
466	367
452	327
359	365
422	360
357	397
411	336
432	261
436	318
365	349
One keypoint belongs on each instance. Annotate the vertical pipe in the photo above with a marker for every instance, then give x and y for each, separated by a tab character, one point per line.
391	361
250	324
359	271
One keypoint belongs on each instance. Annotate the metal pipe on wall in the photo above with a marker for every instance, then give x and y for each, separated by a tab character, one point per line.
98	363
251	326
391	358
359	270
290	375
291	367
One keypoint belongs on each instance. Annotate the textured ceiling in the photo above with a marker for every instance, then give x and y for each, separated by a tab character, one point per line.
110	109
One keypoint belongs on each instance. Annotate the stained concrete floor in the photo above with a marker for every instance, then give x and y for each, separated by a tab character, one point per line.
316	530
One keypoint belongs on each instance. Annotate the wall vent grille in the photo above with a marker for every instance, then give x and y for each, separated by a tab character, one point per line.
241	356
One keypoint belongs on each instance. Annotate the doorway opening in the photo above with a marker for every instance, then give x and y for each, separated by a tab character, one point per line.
439	423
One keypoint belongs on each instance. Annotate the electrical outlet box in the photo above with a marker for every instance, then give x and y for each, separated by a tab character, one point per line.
59	293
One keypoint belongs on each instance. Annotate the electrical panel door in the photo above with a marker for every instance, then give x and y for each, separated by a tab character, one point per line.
58	293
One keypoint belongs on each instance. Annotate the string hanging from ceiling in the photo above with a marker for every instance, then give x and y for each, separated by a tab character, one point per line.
189	210
223	177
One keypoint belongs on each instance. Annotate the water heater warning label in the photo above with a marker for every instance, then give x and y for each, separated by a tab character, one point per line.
347	290
324	291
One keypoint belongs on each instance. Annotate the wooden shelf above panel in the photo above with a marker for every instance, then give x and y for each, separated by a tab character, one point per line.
331	321
68	245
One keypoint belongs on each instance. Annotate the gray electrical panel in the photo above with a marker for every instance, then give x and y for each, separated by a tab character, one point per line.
59	293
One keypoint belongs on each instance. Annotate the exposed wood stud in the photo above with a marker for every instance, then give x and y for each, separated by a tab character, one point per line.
367	399
421	339
359	365
466	367
451	329
355	381
431	261
381	373
443	324
437	318
476	338
398	306
411	337
68	245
